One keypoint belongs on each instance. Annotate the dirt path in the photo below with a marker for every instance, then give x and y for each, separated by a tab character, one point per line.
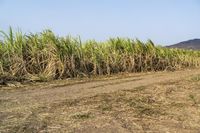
58	91
28	100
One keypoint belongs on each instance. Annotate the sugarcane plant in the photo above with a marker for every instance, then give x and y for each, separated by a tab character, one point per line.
45	56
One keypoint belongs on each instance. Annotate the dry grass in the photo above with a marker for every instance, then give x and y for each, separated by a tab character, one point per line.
165	107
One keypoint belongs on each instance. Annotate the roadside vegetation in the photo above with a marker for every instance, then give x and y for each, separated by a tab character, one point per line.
45	56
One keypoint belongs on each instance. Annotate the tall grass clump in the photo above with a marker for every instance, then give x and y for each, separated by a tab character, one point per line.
45	56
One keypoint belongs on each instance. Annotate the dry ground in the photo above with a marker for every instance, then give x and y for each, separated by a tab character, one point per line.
147	102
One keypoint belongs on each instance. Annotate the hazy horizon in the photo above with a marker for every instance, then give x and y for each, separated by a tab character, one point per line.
165	22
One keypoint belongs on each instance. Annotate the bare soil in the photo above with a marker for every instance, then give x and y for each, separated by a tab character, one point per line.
146	102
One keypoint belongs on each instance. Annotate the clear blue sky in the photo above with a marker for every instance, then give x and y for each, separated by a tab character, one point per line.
163	21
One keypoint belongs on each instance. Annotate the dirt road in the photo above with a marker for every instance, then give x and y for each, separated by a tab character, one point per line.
121	103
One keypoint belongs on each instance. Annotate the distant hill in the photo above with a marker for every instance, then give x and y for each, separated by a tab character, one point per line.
190	44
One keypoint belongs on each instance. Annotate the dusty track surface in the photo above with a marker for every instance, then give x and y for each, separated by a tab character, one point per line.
151	102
